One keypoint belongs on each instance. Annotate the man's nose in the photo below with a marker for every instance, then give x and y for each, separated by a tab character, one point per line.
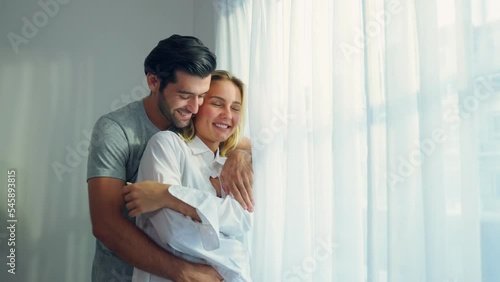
194	104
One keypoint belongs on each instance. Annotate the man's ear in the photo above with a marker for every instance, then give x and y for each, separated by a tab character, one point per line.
153	82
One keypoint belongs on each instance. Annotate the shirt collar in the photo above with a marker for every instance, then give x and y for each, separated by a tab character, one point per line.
198	147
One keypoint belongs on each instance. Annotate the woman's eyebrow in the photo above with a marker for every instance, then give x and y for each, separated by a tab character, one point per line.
218	98
224	100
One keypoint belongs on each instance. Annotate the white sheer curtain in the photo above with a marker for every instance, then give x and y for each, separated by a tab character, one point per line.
376	134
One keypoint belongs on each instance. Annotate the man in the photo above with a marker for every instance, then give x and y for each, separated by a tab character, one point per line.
178	75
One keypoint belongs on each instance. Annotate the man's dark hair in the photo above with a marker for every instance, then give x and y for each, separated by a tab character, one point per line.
179	53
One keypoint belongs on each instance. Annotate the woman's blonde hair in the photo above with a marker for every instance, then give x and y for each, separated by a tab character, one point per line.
227	146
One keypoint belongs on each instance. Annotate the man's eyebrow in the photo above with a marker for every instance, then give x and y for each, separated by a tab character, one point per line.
189	92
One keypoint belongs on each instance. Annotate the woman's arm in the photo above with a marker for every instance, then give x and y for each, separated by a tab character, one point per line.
160	163
224	214
148	196
233	219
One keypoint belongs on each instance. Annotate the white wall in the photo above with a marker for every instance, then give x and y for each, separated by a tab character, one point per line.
83	60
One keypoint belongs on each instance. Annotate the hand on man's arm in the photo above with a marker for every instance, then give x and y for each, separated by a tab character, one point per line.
148	196
145	196
129	243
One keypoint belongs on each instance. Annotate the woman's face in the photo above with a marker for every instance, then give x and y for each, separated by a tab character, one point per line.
219	115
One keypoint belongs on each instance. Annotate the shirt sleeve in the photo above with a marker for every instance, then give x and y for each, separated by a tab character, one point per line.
233	219
160	161
108	150
225	215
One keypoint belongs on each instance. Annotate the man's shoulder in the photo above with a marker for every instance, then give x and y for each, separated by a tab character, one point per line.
131	110
130	119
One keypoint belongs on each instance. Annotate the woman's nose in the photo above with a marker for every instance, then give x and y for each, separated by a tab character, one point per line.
226	113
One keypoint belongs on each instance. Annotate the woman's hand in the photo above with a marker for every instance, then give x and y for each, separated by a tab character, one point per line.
145	196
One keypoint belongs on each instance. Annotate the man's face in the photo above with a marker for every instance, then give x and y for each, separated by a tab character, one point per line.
181	100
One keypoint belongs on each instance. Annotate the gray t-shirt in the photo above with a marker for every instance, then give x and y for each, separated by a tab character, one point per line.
118	142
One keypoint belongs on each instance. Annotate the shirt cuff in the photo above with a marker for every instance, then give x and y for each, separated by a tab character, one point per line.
206	207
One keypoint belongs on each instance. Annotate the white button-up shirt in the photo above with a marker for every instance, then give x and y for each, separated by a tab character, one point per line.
187	166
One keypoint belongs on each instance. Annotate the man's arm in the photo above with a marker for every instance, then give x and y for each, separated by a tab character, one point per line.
129	243
237	174
244	144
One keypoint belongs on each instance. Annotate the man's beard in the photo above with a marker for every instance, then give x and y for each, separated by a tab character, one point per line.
167	113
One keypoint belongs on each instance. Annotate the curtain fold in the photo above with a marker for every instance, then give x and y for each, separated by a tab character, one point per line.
364	120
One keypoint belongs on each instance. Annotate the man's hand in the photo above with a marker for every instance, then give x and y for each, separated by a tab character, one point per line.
145	196
199	273
237	177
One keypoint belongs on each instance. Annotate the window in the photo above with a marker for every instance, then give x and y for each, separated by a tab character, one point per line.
495	126
496	186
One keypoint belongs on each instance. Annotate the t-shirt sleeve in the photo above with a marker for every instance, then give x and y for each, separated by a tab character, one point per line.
108	150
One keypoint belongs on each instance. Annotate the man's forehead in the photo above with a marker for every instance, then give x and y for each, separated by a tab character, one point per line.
190	84
179	74
190	88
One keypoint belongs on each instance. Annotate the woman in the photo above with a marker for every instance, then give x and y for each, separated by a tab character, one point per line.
200	222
